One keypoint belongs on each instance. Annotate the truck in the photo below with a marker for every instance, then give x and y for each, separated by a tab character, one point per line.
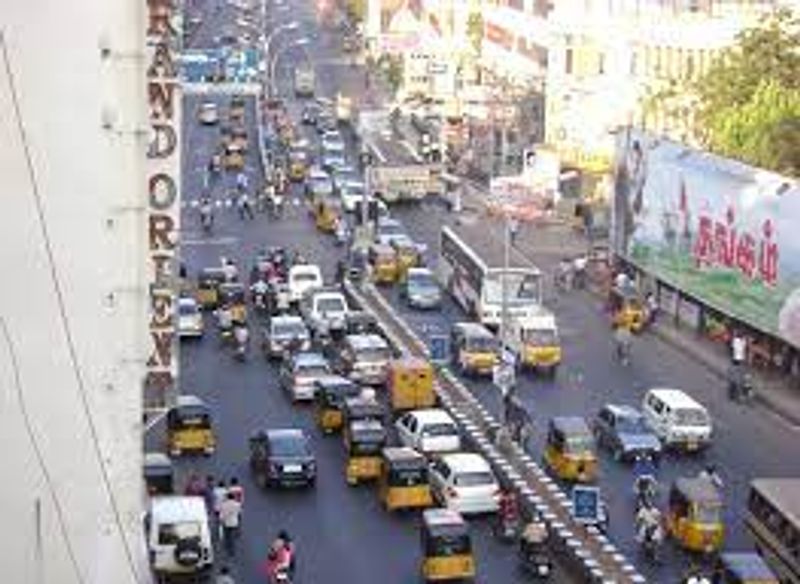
304	80
398	173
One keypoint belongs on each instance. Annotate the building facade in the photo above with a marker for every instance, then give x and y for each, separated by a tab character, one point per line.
74	339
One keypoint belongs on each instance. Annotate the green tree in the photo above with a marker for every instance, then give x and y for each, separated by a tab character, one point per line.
746	105
357	9
475	31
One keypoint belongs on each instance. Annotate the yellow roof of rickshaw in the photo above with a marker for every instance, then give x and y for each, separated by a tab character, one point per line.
698	489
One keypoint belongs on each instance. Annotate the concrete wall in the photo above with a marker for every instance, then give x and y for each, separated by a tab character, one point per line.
72	308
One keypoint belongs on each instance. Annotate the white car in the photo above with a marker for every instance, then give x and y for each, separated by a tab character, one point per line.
208	114
190	319
464	482
303	278
428	430
178	536
351	193
324	311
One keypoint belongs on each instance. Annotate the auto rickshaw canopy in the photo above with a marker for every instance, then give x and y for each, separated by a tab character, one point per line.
210	277
570	434
189	410
360	408
365	437
442	530
331	392
232	293
399	460
697	489
382	252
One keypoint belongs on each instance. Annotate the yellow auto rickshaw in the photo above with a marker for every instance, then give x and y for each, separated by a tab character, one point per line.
189	427
329	396
627	308
570	450
326	213
410	384
298	165
694	516
539	343
446	546
403	483
407	255
743	568
384	264
363	439
208	283
232	294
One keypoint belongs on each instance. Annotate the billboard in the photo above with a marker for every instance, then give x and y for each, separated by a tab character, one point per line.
723	232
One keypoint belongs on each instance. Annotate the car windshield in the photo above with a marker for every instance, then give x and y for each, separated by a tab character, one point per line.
288	446
422	281
312	370
691	417
482	344
522	288
289	329
330	305
439	429
541	337
579	443
632	425
474	479
304	277
187	309
373	354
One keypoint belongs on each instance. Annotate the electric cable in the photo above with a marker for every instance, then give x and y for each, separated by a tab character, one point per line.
64	318
39	455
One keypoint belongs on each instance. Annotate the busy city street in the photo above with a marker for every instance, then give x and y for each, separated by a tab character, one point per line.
342	533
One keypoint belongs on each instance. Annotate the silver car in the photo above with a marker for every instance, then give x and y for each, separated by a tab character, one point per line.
300	372
365	359
285	333
420	289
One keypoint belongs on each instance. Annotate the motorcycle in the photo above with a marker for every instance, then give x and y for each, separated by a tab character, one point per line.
342	233
240	348
623	351
277	205
740	384
651	542
646	489
508	522
206	221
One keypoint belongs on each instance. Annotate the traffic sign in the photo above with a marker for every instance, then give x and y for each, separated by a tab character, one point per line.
439	347
586	504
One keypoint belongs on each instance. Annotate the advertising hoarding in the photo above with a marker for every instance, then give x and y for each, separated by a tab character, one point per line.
723	232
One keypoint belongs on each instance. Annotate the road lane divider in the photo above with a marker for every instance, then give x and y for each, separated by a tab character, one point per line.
583	551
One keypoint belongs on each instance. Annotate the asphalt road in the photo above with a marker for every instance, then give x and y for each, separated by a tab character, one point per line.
342	533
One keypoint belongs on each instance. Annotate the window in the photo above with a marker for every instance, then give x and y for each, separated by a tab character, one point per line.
689	65
568	62
634	69
601	63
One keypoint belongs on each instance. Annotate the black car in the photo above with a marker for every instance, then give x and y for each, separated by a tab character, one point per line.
282	458
624	431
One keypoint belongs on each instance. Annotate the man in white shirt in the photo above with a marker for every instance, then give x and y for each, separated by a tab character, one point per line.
230	514
738	348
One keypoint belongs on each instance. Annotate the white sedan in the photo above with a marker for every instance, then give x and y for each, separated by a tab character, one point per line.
428	431
464	482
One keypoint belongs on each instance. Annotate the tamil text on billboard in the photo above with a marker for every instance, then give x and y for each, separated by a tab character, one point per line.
718	230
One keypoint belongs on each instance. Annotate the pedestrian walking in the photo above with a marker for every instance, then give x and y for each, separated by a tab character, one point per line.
230	515
738	348
245	207
513	229
220	492
224	576
208	493
236	490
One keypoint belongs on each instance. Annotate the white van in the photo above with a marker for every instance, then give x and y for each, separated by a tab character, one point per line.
302	278
178	536
677	419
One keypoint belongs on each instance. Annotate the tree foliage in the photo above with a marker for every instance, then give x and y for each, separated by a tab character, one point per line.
746	105
475	31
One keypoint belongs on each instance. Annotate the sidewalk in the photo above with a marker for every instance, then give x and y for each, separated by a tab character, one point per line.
550	242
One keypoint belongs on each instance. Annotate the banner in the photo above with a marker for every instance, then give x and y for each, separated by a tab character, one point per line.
723	232
163	193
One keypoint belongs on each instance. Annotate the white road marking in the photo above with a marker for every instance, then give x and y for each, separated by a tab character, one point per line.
189	242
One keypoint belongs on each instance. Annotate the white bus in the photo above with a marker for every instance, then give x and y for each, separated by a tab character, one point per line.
476	281
773	519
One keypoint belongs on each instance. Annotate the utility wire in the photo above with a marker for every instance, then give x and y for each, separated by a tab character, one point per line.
40	460
64	318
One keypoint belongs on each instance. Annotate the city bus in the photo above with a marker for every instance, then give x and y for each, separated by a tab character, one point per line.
773	519
475	280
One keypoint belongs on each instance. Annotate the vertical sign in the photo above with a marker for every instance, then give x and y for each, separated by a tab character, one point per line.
163	204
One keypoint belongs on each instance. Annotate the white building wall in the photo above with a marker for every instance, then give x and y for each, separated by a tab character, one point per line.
72	308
